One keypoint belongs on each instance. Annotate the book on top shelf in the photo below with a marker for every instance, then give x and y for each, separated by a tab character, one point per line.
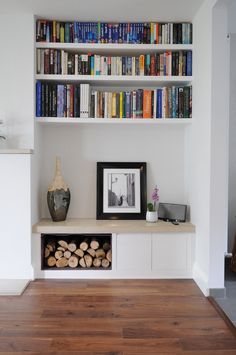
104	32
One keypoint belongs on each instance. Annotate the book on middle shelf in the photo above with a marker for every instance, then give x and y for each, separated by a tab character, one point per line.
167	63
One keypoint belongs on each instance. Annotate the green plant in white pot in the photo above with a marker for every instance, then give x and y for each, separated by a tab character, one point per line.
152	215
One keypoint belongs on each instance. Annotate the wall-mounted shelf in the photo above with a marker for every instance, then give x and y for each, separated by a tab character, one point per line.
111	47
115	79
132	121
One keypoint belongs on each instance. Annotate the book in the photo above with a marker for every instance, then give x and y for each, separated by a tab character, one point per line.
147	99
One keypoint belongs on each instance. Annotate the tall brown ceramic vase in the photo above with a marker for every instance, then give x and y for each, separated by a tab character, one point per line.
58	196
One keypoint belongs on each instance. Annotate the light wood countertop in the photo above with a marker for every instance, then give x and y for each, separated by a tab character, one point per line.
15	151
110	226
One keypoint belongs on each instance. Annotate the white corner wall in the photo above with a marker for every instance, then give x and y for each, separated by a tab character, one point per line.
209	145
17	110
232	147
232	128
219	146
17	81
200	142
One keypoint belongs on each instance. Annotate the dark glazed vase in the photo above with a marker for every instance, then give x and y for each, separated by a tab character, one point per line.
58	196
58	204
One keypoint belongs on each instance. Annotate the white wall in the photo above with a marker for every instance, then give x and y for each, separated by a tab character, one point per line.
231	17
17	110
232	128
17	82
106	10
80	147
232	147
209	144
219	146
15	206
200	141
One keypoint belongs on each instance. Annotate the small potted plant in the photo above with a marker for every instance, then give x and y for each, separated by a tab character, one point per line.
151	215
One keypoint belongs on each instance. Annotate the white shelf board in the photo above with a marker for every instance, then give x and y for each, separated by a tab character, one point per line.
116	79
145	121
113	47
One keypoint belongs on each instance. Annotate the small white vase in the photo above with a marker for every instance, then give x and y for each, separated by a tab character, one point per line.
151	216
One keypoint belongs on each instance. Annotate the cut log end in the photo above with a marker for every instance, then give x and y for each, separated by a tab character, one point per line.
63	244
51	261
73	261
105	263
97	262
109	255
46	253
62	262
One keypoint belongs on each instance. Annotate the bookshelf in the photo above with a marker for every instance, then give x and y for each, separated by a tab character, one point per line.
131	138
118	82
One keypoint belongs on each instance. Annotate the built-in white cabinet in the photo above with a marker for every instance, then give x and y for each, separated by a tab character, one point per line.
172	254
15	214
139	249
166	255
133	253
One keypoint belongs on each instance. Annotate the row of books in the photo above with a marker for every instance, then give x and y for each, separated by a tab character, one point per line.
68	100
104	32
56	61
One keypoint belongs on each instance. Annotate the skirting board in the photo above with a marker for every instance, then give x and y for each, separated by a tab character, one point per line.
217	292
201	279
11	287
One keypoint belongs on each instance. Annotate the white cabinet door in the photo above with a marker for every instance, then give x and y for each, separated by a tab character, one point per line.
134	253
15	212
172	254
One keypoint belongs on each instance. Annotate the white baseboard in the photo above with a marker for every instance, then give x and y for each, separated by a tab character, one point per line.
12	287
201	279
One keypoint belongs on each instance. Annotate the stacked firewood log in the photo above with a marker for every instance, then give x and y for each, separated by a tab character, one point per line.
88	253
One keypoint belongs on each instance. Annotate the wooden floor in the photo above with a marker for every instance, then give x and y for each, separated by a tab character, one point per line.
112	317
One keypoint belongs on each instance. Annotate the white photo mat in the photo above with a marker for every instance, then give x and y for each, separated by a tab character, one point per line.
115	183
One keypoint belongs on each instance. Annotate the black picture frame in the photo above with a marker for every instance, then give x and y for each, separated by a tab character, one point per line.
116	175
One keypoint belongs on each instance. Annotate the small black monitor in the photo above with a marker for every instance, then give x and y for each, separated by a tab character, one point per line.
172	212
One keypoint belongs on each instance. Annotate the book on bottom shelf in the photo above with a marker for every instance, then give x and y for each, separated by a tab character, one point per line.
70	100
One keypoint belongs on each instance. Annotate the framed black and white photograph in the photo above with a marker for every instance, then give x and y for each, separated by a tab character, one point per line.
121	190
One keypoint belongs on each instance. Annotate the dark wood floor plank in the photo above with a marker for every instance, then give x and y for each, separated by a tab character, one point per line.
151	346
208	352
24	344
112	317
65	353
131	328
224	342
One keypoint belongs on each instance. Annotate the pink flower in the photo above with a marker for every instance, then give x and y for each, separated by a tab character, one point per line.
155	197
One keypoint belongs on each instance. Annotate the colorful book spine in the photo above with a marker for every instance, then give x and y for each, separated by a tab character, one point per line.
38	99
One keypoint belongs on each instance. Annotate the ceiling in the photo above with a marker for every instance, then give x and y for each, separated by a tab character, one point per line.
107	10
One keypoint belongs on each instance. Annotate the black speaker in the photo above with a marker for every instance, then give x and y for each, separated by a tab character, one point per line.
172	212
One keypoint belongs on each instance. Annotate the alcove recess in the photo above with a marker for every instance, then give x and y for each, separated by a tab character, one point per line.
76	251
